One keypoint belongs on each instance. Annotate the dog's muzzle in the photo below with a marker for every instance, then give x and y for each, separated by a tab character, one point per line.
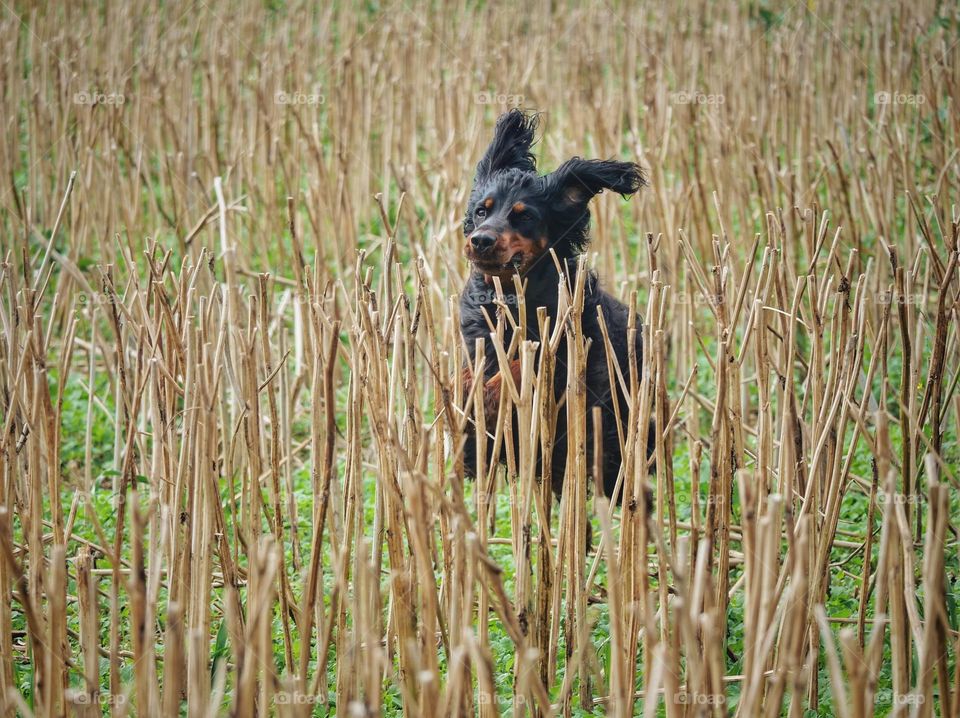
482	242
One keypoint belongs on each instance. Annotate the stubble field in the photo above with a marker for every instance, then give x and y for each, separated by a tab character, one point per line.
230	473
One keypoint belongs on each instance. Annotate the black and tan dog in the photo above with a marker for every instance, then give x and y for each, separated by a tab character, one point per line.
515	216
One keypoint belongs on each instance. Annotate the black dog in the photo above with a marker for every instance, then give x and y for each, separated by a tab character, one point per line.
515	216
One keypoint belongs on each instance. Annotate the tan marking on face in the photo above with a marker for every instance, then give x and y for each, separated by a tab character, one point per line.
518	207
488	202
529	246
496	263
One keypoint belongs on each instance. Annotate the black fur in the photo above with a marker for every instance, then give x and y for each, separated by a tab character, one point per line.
553	214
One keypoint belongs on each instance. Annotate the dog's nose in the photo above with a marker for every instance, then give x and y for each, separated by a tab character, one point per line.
482	242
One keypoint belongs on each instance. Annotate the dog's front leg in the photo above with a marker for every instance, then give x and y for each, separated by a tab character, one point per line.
492	389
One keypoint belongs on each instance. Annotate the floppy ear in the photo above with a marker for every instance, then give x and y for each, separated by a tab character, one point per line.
576	181
510	147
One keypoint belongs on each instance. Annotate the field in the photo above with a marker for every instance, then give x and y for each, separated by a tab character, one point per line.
231	475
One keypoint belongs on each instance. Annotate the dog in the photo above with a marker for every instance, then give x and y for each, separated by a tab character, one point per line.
514	218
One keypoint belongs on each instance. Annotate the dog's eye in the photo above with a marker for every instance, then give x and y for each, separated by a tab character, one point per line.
480	212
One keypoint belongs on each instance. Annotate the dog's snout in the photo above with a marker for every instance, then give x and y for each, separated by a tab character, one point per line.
482	241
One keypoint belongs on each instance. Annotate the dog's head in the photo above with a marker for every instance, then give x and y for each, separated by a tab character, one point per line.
515	215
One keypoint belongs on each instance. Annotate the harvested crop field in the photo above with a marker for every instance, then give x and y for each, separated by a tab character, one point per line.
231	396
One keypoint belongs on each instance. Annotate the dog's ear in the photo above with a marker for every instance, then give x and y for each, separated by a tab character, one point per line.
510	147
576	181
